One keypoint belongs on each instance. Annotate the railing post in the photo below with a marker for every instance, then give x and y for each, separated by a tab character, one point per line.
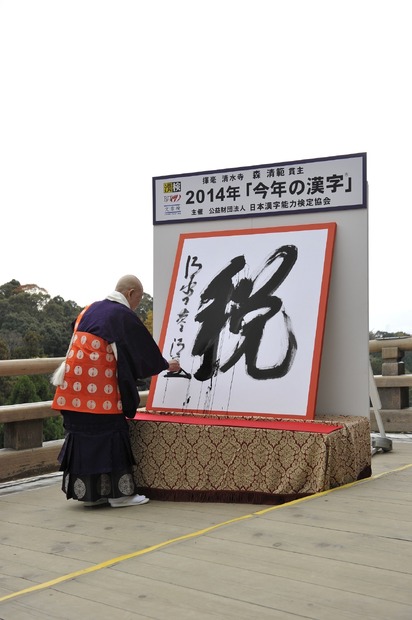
23	435
392	365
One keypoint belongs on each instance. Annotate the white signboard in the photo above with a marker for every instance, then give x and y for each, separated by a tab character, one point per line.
272	189
245	317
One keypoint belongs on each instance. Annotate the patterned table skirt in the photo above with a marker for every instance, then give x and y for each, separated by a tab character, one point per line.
201	462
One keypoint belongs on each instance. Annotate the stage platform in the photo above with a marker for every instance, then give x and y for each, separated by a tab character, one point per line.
249	460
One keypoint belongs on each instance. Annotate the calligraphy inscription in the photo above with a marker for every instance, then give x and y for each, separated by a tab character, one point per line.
231	301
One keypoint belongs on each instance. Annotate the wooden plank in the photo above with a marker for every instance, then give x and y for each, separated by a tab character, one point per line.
35	366
314	559
393	381
393	420
16	464
405	344
273	561
27	411
208	585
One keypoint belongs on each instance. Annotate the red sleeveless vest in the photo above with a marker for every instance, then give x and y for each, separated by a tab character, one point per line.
90	380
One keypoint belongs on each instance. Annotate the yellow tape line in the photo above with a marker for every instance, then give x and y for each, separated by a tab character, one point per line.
135	554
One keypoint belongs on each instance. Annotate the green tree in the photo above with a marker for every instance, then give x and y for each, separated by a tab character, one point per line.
144	307
44	389
24	391
56	338
33	344
5	382
53	428
8	289
149	321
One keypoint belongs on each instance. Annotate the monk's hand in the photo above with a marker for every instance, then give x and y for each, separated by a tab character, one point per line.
174	366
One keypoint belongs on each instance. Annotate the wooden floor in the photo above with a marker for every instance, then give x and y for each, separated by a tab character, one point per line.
344	554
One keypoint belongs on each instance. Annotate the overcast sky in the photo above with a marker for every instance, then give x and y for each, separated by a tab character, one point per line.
97	97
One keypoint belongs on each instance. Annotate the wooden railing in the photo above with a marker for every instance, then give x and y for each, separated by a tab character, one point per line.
394	386
25	454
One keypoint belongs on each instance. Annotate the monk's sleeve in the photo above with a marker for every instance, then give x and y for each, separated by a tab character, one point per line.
138	357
